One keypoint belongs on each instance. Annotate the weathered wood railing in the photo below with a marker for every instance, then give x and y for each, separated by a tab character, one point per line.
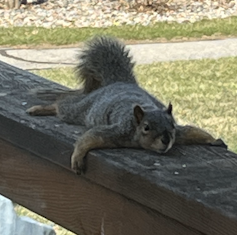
188	191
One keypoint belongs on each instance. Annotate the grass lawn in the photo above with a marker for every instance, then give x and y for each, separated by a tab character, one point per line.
203	93
32	36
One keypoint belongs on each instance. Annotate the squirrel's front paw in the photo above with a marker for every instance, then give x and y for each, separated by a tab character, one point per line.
78	162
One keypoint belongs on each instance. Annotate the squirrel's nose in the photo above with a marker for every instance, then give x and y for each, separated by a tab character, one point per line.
165	138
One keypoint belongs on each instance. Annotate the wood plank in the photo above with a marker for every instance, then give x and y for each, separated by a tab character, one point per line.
195	186
74	202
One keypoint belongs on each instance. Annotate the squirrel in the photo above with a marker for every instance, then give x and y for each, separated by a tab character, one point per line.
115	110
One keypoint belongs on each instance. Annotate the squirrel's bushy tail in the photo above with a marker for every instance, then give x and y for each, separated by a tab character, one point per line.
104	61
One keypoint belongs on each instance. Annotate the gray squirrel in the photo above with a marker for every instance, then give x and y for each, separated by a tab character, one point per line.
116	111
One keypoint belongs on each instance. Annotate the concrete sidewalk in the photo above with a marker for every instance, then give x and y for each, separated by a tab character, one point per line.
29	59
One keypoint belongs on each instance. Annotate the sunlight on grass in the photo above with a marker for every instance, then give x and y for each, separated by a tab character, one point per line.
65	36
203	92
64	76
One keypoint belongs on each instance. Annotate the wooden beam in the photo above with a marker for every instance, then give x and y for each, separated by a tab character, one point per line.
74	202
195	186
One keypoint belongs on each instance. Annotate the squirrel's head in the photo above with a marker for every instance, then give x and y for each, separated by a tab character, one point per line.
155	130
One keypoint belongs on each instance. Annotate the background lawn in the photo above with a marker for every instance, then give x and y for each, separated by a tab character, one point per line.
162	31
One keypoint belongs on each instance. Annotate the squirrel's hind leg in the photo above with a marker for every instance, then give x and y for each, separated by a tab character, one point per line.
43	110
194	135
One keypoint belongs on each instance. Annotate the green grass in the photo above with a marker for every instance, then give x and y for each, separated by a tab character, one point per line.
32	36
203	93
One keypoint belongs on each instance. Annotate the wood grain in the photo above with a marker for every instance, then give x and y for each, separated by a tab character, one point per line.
192	185
74	202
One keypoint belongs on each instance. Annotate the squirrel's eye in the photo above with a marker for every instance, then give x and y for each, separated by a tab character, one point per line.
146	127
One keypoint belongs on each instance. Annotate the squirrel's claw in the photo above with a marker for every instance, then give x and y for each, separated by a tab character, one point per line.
33	110
219	143
78	164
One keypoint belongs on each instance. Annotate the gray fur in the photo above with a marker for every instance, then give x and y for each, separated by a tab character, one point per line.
115	110
104	61
111	93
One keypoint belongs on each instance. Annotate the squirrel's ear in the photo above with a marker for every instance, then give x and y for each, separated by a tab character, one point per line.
138	113
169	109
